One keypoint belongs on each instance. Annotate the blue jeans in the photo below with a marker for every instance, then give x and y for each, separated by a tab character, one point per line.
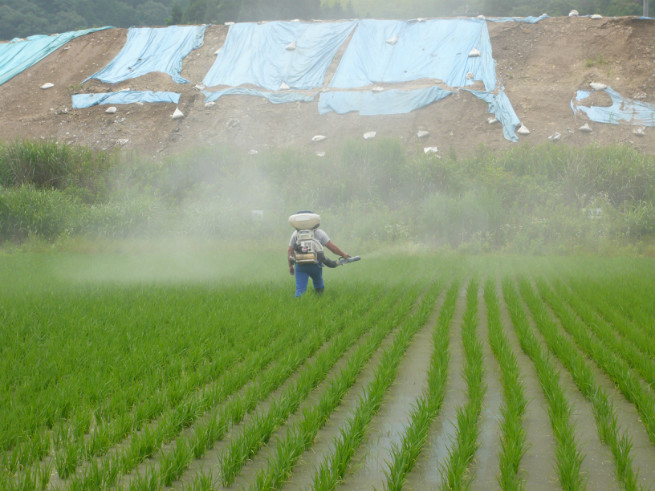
306	271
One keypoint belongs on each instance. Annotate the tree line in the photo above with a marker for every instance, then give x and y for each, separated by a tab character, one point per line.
22	18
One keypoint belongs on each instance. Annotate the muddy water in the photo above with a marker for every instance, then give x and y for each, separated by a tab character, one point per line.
427	470
485	466
368	469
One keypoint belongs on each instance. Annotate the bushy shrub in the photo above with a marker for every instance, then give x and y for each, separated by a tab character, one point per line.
548	198
49	165
30	212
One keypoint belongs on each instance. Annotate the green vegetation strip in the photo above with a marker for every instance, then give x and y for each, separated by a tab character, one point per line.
174	460
333	468
513	438
605	357
145	444
609	430
118	391
568	457
429	404
454	474
300	436
189	405
630	342
258	432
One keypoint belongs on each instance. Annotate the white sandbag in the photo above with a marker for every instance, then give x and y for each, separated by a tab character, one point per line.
47	86
585	128
111	110
430	150
475	52
369	134
523	130
318	138
573	13
598	86
177	114
422	133
392	40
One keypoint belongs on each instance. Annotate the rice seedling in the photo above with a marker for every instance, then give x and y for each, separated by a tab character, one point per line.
428	405
332	470
609	430
454	473
259	432
513	439
131	383
568	456
300	436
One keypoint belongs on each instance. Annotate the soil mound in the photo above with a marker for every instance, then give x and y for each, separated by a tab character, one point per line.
541	66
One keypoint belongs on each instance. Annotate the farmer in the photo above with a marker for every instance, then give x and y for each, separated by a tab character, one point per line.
306	251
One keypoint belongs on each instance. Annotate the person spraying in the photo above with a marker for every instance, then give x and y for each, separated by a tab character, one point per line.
306	255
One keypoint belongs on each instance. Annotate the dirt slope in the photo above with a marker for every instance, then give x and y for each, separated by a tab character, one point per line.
540	65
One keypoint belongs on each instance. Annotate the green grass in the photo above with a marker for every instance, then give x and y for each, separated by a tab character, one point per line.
124	369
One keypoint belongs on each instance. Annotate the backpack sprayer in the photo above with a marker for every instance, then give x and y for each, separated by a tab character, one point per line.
308	250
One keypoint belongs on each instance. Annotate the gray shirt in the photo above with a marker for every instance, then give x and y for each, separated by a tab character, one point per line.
319	235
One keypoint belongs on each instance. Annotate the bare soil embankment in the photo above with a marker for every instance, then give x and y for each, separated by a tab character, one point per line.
540	66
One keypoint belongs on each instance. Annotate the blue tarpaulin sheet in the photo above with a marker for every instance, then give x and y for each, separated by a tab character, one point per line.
257	54
274	97
81	101
501	108
432	49
146	50
19	55
369	103
621	110
528	20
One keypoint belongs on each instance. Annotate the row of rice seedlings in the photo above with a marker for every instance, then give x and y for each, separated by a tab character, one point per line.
616	367
617	308
176	459
623	341
607	425
513	437
145	443
59	405
258	432
454	474
104	473
333	468
404	455
613	312
105	432
300	436
629	290
193	405
567	454
184	416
